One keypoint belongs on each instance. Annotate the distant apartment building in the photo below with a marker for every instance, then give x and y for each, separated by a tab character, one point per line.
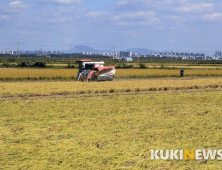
37	52
218	53
126	54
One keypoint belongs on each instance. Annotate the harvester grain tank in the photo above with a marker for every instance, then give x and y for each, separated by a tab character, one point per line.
94	71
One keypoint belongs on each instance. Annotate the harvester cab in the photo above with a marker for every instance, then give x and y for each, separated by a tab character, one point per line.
94	71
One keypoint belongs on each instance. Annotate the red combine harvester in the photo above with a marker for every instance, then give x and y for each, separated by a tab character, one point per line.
94	71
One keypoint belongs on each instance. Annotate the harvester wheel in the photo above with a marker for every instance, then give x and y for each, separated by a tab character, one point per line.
81	78
85	78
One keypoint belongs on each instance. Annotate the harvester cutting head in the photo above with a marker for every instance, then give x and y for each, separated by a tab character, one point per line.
94	71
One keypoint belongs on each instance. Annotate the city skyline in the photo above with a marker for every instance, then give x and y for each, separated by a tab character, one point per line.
162	25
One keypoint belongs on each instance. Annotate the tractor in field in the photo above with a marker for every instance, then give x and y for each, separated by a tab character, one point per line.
94	71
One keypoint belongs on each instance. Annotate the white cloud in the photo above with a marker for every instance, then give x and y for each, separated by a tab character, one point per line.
213	17
60	14
52	16
14	8
122	2
62	1
203	7
142	4
53	20
96	14
4	17
138	15
122	23
172	17
69	9
15	3
140	19
68	1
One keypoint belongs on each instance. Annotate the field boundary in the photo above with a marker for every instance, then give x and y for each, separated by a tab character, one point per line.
73	78
112	91
115	79
8	75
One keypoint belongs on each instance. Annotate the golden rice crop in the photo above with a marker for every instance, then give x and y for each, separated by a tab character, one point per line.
65	88
180	65
146	73
70	74
109	132
61	65
30	74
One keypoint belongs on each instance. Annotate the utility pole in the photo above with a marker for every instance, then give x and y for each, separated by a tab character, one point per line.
76	52
138	58
41	51
181	57
18	50
70	51
114	48
137	55
151	54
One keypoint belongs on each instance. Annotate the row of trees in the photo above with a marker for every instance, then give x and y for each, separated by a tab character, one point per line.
71	63
40	64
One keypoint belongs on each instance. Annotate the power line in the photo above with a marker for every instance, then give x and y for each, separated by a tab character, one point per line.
7	43
70	51
58	45
76	52
38	44
151	53
45	45
41	51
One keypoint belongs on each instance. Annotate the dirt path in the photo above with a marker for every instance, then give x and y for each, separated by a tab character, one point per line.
167	78
106	94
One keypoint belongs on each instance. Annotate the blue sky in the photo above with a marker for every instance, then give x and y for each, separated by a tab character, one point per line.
169	25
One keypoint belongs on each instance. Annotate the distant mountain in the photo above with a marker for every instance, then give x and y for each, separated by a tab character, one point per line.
82	48
140	50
